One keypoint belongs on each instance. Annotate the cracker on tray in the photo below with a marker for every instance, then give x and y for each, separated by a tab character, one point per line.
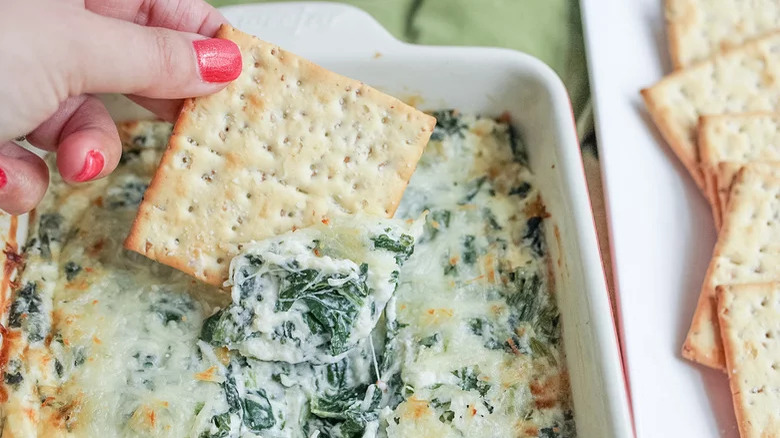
697	29
741	80
727	142
747	251
285	145
749	318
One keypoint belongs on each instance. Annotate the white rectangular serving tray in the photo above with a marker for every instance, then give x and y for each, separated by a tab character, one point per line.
661	228
485	81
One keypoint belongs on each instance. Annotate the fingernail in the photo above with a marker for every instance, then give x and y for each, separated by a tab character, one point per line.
93	165
3	178
218	60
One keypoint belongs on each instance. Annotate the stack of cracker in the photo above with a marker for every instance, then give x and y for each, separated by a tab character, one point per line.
720	113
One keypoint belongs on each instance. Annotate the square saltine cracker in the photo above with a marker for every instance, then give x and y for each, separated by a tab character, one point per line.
697	29
749	317
744	79
747	251
727	142
286	145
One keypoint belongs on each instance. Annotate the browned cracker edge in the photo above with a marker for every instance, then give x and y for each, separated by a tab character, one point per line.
712	359
720	291
708	172
672	139
730	354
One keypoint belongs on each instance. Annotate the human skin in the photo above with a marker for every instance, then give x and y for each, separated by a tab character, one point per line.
56	54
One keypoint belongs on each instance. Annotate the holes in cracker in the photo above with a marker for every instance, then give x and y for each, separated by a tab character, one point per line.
192	141
220	260
186	160
209	176
190	208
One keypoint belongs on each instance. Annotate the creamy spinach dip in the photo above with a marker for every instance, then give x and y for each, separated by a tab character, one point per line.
439	323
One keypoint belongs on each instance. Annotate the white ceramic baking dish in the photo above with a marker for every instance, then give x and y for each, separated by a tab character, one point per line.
485	81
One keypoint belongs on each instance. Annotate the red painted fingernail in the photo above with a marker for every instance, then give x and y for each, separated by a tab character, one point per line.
218	60
3	178
93	165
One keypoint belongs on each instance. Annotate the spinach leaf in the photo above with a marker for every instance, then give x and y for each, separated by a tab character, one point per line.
521	190
430	341
13	372
222	328
331	310
343	411
534	235
172	307
469	250
258	414
469	380
49	231
436	220
403	247
531	304
474	187
71	270
222	423
516	143
27	313
130	194
448	124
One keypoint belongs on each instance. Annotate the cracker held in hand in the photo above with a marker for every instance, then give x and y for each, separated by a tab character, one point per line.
286	145
748	251
727	142
750	327
698	29
740	80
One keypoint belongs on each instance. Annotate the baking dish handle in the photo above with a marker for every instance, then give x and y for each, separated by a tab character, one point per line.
333	27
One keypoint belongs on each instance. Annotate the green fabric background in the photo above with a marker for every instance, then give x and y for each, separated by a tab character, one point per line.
547	29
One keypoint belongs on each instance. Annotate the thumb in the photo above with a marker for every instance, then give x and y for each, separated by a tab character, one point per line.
150	61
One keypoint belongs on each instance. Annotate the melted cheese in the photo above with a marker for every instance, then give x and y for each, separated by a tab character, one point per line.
103	342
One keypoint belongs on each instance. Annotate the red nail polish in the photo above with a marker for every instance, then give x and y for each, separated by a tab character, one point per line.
93	165
3	178
218	60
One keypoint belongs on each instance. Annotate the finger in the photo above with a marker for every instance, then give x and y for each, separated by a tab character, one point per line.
183	15
47	135
166	109
153	62
84	136
23	179
89	146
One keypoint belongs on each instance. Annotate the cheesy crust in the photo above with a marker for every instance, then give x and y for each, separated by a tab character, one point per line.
100	341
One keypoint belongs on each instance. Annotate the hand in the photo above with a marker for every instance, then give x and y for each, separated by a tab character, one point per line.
55	53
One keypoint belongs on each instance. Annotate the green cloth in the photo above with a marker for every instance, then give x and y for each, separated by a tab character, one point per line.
547	29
